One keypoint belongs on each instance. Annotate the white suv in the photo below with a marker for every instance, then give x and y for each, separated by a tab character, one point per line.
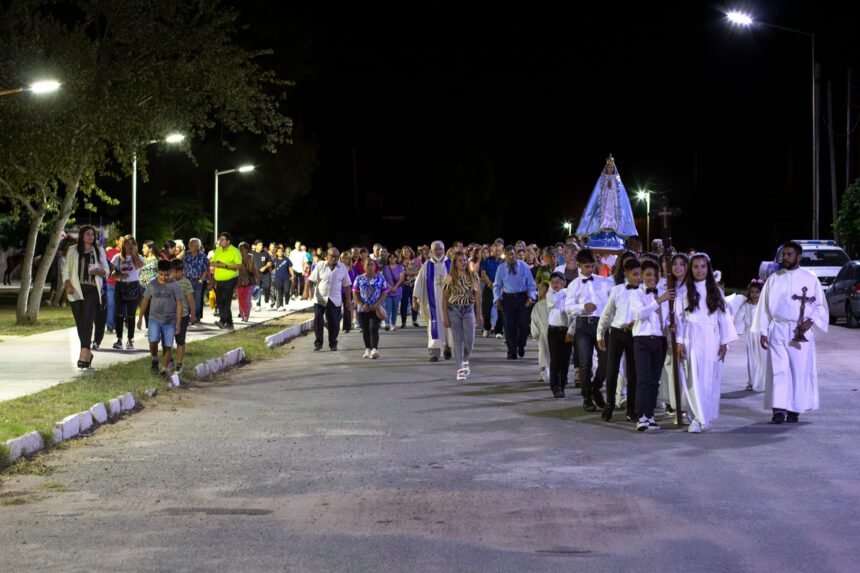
823	258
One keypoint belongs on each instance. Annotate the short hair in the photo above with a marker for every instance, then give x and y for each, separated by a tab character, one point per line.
632	264
648	264
177	265
225	235
793	245
636	238
258	242
164	265
585	256
557	275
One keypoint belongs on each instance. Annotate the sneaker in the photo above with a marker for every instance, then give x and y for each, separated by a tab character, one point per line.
383	325
685	419
117	345
749	387
415	323
642	424
165	373
229	327
178	369
258	308
466	367
153	369
461	374
171	365
366	353
110	330
218	323
129	345
486	334
499	337
542	375
393	327
374	354
95	346
653	426
695	427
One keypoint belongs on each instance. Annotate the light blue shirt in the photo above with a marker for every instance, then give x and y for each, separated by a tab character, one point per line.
522	281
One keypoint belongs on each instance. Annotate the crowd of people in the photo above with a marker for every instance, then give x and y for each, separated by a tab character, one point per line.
628	321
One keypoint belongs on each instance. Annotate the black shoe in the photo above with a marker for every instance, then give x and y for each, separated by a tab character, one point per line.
556	393
778	418
415	323
792	418
631	418
434	359
670	409
588	405
607	412
597	397
333	348
521	351
561	391
512	356
447	353
154	370
317	348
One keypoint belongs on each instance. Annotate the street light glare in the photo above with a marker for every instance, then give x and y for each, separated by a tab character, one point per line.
739	18
246	168
641	195
174	138
44	87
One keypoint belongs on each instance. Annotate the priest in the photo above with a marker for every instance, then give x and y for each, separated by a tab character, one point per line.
427	297
791	309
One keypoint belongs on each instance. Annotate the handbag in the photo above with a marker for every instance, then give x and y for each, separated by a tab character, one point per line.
129	291
381	314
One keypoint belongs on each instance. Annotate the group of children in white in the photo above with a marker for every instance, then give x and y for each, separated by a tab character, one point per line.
629	322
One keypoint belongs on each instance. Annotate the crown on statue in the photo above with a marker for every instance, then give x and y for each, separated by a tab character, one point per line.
610	160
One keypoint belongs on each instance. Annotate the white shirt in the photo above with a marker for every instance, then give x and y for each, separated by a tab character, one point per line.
651	318
329	283
555	307
595	289
298	258
617	312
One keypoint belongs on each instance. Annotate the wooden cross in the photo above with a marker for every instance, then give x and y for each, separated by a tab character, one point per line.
798	333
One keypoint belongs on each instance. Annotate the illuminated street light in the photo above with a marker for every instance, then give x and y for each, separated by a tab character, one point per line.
171	138
242	169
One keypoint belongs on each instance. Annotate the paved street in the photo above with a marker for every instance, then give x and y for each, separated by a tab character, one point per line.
39	361
327	462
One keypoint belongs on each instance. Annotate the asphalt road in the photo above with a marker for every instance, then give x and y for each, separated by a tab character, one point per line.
327	462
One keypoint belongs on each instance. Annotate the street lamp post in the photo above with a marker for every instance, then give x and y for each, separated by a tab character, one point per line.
171	138
743	19
646	195
243	169
40	87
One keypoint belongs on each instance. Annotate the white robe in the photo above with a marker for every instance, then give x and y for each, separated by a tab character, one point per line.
756	355
791	378
444	336
540	330
701	372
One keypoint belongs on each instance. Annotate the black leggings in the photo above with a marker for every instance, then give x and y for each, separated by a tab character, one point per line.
85	312
125	311
369	329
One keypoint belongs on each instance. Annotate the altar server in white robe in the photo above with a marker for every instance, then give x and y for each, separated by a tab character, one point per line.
791	310
678	267
704	331
756	355
427	297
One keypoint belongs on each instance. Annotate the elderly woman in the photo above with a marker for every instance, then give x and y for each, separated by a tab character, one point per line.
197	272
85	269
370	290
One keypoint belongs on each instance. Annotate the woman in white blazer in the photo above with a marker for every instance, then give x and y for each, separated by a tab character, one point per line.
85	269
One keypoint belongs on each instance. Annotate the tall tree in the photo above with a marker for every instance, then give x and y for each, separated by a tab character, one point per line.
132	71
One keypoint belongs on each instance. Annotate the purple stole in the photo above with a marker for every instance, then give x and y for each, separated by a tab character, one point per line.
431	294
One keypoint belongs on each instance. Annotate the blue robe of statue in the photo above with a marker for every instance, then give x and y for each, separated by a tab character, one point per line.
608	210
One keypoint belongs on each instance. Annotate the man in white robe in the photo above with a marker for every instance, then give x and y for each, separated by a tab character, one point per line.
427	297
791	378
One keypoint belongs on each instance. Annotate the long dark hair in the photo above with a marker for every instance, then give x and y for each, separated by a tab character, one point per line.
618	271
83	270
714	298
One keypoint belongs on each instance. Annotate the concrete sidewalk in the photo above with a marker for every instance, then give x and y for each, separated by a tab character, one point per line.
33	363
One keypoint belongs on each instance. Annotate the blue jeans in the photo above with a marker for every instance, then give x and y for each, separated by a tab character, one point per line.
111	306
392	307
198	298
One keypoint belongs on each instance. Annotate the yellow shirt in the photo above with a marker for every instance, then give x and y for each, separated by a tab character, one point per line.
228	256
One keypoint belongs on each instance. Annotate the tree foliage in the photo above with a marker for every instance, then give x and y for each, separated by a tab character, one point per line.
847	224
131	71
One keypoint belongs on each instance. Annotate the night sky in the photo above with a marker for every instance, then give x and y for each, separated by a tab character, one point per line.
482	123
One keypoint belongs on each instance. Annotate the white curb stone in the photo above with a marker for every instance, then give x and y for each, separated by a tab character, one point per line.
99	413
58	435
70	426
201	371
289	333
24	446
127	402
86	420
174	381
115	407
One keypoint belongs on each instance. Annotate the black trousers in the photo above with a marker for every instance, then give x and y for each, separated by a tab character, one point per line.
101	320
406	304
328	313
517	318
487	311
621	342
85	312
265	286
559	356
585	340
224	298
282	292
369	323
649	352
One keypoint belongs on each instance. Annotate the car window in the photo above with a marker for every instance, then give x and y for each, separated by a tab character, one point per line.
843	274
823	258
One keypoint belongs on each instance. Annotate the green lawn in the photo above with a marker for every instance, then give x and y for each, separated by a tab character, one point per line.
40	411
49	318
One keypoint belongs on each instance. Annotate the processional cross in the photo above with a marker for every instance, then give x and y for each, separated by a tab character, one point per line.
798	332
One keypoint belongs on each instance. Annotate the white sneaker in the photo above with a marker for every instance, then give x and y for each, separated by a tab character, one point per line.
706	427
685	418
366	353
653	426
383	325
695	427
499	337
461	374
486	334
642	424
466	368
542	376
393	327
374	354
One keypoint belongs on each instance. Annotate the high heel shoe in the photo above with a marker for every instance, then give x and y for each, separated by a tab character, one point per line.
90	361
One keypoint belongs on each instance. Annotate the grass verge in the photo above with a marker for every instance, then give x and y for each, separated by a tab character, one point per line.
41	410
50	318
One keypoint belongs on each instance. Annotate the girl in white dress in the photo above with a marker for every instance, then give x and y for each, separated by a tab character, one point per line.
756	355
